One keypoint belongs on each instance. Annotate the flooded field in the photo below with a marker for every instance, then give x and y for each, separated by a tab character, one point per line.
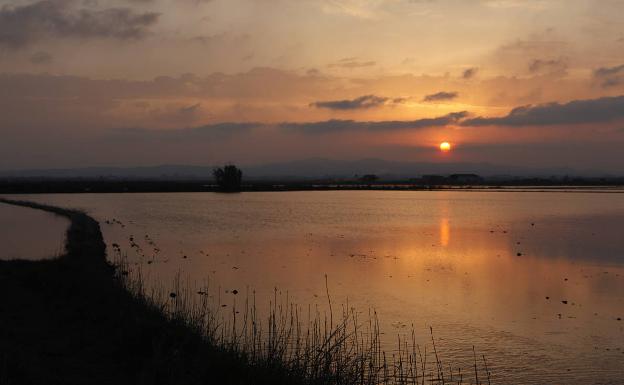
534	280
30	234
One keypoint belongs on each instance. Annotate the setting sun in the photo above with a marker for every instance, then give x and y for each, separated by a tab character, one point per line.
445	147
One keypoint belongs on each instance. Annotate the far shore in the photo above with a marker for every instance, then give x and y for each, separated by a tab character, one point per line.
55	186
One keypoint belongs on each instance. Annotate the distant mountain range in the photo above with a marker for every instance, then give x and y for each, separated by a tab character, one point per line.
314	168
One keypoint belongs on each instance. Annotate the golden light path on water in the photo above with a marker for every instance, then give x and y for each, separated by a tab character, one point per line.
535	281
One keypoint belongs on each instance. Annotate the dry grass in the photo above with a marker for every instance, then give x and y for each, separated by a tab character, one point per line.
79	320
306	344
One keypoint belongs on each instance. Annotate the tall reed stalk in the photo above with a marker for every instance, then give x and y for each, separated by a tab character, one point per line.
306	344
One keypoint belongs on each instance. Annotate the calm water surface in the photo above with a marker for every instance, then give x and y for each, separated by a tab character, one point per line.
30	234
489	269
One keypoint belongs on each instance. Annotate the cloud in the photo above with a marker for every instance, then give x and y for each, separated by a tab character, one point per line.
470	73
334	125
352	63
190	110
551	66
610	76
41	57
21	26
440	96
362	102
575	112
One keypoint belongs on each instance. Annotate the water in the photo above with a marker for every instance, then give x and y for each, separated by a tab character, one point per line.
489	269
30	234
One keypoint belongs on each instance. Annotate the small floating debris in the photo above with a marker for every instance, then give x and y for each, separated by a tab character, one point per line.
564	302
172	295
234	291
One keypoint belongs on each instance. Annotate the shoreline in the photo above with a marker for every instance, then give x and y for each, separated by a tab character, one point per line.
79	319
176	188
71	320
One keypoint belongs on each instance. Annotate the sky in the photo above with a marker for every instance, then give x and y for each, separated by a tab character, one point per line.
534	83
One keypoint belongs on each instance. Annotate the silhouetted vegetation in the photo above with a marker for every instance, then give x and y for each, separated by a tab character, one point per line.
427	182
369	178
228	178
78	319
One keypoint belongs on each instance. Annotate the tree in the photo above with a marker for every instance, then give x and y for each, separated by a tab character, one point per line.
228	178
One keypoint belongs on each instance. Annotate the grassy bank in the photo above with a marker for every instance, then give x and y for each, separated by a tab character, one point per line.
78	319
70	320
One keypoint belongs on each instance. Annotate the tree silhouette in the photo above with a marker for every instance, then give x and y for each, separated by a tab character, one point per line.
228	178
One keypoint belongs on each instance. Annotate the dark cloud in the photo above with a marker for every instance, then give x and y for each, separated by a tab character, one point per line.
470	73
21	26
41	57
332	126
576	112
440	96
362	102
610	76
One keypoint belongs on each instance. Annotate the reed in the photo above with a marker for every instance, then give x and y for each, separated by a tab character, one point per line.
304	344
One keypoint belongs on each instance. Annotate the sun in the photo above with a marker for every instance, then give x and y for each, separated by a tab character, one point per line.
445	147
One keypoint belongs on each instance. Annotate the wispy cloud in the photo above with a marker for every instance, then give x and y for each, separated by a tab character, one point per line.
440	97
548	66
362	102
470	73
352	63
610	76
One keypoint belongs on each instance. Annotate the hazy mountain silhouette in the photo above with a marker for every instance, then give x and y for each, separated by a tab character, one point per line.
313	168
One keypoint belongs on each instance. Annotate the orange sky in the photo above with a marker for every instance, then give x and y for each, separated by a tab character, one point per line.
144	82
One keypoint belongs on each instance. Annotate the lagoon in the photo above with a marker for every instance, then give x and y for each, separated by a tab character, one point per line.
534	280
